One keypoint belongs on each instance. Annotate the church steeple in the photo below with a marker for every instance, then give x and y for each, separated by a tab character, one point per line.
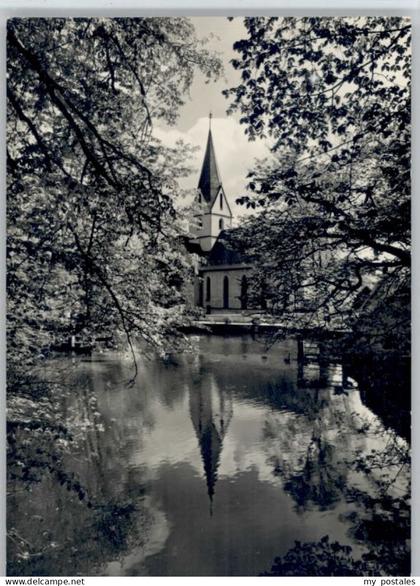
210	181
215	215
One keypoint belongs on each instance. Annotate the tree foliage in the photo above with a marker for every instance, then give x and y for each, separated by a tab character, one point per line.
93	234
94	241
333	95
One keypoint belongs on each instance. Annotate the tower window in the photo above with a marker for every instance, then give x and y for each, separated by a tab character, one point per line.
200	223
221	201
199	197
221	224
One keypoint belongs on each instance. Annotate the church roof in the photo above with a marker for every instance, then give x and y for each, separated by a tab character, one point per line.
209	179
229	249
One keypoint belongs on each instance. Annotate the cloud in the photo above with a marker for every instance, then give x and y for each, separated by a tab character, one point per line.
235	154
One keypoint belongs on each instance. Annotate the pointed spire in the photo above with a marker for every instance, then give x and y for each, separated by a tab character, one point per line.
210	178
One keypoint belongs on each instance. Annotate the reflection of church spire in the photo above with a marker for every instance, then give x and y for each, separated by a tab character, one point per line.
211	413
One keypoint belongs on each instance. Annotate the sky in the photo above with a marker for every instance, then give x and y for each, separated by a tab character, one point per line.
234	153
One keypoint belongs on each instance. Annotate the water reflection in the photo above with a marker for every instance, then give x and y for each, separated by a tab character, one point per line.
212	464
211	410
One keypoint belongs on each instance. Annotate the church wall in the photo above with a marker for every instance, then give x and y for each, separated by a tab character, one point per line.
217	287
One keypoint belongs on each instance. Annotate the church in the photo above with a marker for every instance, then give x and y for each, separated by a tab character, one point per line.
224	268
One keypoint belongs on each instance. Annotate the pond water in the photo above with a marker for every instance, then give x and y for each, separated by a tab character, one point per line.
211	463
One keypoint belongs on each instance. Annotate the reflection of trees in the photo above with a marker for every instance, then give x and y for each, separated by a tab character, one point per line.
383	522
315	483
326	558
109	423
304	454
160	371
340	451
328	448
83	542
317	559
386	388
61	533
306	433
383	515
211	411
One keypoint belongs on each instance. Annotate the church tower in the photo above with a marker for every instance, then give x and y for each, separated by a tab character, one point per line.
216	214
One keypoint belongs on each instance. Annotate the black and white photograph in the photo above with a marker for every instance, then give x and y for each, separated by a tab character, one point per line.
208	296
